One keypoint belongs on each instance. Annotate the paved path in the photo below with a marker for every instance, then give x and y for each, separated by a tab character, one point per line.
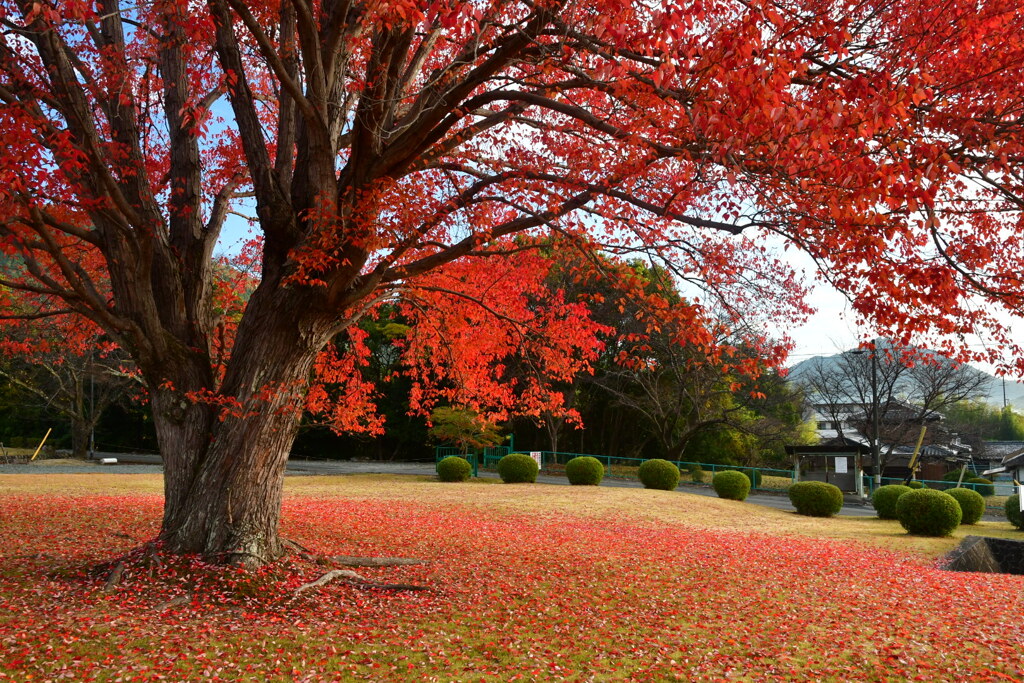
138	463
134	463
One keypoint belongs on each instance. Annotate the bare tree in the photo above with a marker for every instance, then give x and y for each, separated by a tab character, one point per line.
77	387
887	394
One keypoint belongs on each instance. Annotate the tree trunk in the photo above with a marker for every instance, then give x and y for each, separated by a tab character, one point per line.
553	426
80	430
224	460
230	509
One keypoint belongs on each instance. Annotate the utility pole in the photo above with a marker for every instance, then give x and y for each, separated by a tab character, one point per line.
875	451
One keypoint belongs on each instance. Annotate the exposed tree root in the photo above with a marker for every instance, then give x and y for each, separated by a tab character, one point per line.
174	602
353	561
294	546
114	578
170	572
350	577
348	560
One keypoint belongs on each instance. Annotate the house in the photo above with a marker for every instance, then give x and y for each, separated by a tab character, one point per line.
992	454
1012	465
844	446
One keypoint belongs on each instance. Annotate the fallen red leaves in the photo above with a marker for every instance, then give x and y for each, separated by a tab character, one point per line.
541	598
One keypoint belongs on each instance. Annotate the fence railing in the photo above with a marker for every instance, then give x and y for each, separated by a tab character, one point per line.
553	462
999	488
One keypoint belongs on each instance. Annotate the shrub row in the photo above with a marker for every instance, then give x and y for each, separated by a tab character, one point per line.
816	498
731	485
584	470
454	468
926	513
658	474
589	471
519	468
972	504
922	511
929	512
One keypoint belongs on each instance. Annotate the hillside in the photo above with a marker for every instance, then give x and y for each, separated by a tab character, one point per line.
994	394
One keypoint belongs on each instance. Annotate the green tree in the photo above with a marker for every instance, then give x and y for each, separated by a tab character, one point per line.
463	428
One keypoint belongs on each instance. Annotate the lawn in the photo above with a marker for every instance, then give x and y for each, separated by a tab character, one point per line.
527	582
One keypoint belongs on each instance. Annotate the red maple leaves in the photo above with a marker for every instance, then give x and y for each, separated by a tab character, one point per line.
513	596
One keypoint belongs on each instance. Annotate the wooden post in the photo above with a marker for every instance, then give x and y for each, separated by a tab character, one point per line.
858	473
917	452
40	447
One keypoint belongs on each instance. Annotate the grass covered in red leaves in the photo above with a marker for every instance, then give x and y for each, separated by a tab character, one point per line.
514	597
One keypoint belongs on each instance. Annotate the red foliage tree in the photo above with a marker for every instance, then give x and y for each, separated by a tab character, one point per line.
383	142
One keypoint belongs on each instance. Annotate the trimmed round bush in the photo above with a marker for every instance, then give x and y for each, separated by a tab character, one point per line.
884	499
454	468
915	484
518	468
816	498
658	474
731	485
927	512
1012	509
584	470
696	473
752	475
972	505
982	485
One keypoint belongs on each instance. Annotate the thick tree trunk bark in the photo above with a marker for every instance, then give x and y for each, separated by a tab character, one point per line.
224	460
79	438
230	510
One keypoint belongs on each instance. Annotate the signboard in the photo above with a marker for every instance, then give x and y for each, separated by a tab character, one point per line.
841	465
536	456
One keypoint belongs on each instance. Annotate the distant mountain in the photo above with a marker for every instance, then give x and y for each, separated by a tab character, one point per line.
994	395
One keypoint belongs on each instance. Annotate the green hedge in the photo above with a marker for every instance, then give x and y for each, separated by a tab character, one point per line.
696	473
518	468
658	474
816	498
454	468
884	499
927	512
972	505
584	470
731	485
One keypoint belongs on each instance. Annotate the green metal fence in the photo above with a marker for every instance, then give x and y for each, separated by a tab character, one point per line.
553	462
940	484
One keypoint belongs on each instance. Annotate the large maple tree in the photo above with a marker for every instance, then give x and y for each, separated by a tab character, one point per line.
385	143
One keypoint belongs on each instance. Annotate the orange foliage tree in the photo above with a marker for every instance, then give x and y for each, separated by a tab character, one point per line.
389	144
